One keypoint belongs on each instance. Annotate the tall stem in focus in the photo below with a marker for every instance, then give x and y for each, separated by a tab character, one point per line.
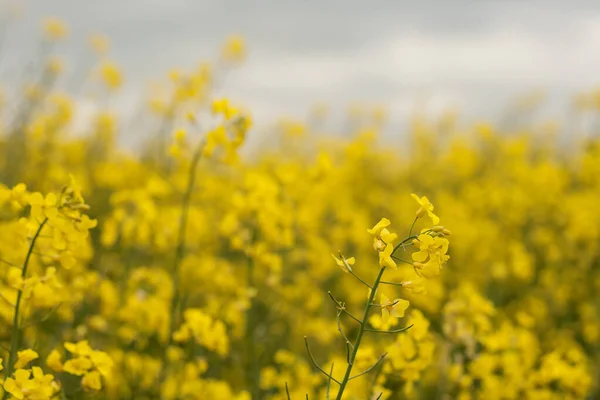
359	335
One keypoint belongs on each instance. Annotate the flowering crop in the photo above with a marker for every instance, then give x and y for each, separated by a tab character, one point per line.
192	271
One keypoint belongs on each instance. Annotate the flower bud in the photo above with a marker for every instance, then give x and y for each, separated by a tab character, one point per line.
421	212
446	232
438	228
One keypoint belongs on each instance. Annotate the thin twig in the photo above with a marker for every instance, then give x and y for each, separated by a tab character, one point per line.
317	365
392	283
339	325
386	305
402	243
329	381
342	308
287	391
412	226
361	281
44	318
9	263
366	371
402	260
394	331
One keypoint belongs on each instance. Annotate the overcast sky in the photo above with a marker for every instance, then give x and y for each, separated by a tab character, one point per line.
468	55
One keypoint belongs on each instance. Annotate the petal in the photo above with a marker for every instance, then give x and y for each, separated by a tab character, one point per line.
379	226
385	314
384	299
420	256
434	218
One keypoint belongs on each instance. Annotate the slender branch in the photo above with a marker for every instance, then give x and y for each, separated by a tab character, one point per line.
9	263
44	318
287	391
366	371
317	365
392	283
7	301
342	308
361	281
394	331
412	226
329	382
402	243
339	325
15	337
402	260
386	305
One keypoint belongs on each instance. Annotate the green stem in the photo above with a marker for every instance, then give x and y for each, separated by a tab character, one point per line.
359	336
253	375
15	337
180	252
412	226
408	239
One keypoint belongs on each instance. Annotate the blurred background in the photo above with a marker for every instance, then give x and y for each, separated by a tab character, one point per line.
474	57
206	268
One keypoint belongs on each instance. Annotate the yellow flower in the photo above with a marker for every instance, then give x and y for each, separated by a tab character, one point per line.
55	29
222	106
14	386
92	381
390	308
381	235
78	366
234	49
376	230
385	257
40	387
111	75
54	361
55	65
416	285
102	362
425	208
25	357
99	43
431	257
344	263
429	245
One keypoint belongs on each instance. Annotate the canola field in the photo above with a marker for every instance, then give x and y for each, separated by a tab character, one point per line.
462	264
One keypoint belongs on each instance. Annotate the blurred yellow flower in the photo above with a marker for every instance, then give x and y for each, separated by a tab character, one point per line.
234	49
55	29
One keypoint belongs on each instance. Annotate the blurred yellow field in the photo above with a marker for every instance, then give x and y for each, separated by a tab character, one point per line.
460	263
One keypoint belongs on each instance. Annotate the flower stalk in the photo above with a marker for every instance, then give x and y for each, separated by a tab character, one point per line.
15	337
359	335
